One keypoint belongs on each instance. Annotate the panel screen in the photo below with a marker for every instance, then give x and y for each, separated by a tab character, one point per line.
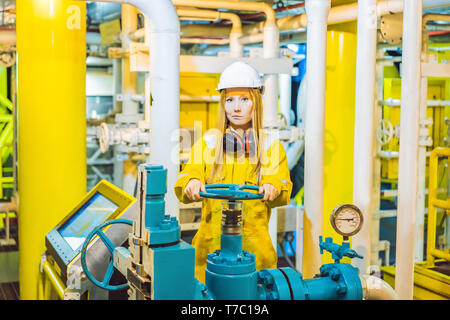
94	212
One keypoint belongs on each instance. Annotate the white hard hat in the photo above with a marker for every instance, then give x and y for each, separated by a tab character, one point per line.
239	75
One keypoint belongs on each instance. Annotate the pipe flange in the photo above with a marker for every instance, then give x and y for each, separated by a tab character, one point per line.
391	27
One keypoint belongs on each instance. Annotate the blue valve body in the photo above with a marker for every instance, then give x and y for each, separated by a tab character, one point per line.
163	228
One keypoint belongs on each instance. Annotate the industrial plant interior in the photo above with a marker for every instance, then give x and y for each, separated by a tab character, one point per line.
104	105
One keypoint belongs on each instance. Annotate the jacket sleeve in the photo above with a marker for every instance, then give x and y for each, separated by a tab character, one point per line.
274	170
194	169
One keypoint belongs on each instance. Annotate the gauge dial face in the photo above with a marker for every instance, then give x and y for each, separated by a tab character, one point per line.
346	219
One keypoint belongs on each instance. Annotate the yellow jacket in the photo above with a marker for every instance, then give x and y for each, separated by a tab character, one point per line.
256	213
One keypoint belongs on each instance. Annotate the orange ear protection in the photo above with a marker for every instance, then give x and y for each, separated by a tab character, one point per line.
233	142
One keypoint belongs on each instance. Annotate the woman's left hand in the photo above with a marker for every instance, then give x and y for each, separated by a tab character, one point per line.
270	192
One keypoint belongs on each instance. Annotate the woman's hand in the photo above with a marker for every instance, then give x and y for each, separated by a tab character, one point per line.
270	192
193	189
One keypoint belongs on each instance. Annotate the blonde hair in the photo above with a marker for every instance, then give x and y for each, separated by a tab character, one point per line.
222	125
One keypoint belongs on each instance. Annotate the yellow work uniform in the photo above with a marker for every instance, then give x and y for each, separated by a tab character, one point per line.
256	213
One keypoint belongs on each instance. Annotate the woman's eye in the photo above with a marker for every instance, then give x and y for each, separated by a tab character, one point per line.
244	99
229	100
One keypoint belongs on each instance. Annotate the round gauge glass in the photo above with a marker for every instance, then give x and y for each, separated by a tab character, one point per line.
346	219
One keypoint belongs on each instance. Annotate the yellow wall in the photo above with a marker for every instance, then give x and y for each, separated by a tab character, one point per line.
51	44
193	88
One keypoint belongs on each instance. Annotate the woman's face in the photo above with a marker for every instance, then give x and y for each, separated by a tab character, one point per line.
238	107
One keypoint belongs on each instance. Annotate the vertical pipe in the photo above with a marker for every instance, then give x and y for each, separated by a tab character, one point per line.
408	158
129	79
364	126
147	88
51	43
375	244
339	124
285	88
421	167
129	88
317	13
271	48
165	86
117	89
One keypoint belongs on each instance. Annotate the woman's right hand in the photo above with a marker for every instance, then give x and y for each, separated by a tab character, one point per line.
193	189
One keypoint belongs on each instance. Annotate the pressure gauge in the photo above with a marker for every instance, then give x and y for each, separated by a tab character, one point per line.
346	219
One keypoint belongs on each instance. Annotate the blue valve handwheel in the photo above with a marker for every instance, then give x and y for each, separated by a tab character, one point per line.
110	246
231	192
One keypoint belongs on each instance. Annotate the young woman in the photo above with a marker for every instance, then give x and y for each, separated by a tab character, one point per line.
238	152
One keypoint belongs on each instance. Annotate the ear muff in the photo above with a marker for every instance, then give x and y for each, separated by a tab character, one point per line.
249	140
233	142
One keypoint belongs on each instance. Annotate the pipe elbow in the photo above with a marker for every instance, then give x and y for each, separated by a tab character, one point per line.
375	288
270	14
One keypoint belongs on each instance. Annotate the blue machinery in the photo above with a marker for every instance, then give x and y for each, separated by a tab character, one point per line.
159	265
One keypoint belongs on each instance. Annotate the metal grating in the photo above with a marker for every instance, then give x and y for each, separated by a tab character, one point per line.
9	291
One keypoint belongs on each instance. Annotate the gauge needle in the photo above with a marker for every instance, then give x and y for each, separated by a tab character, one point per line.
347	219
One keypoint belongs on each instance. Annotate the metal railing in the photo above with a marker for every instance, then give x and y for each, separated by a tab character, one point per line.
433	204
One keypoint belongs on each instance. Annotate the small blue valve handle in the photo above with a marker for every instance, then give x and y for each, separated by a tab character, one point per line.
104	284
337	251
231	192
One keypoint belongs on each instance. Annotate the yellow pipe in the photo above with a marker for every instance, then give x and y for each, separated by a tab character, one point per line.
252	6
213	15
51	44
209	15
440	254
208	41
339	136
54	280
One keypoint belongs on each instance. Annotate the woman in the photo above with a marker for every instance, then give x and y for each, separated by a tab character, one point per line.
238	152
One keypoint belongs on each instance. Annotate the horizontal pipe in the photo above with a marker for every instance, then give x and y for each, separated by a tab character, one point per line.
254	6
440	254
337	15
431	103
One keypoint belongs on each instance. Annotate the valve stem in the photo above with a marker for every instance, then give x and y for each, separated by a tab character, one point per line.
232	217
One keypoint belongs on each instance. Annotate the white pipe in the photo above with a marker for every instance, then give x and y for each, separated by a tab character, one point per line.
165	86
408	159
364	126
386	154
317	12
419	241
147	87
430	103
271	49
284	83
376	289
